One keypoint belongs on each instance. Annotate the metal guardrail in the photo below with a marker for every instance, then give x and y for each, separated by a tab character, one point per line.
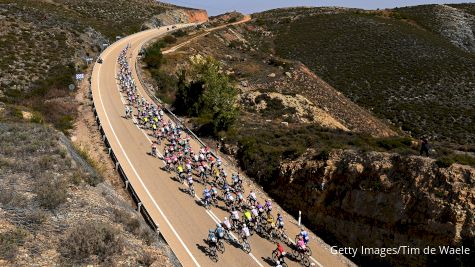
120	170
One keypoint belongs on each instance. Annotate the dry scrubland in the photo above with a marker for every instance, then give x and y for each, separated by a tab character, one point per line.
411	66
44	43
56	210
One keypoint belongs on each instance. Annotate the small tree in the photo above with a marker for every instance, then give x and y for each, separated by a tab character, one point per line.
205	92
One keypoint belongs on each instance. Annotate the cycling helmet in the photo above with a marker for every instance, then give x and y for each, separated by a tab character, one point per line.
218	225
244	225
283	253
225	218
211	230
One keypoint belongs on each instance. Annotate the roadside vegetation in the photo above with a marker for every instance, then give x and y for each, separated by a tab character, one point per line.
50	205
201	90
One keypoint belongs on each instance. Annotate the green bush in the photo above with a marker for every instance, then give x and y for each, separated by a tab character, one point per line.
153	55
444	162
169	39
179	33
207	94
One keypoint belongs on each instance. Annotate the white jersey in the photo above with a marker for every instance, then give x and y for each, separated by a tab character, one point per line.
245	232
235	215
227	223
255	212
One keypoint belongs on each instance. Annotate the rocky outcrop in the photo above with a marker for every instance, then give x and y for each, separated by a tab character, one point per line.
382	200
174	16
457	26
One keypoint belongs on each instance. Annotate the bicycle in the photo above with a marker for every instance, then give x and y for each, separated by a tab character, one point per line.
220	246
245	246
275	258
282	236
308	251
213	255
301	256
206	204
191	190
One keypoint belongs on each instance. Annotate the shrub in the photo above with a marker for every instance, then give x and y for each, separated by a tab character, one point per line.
169	39
91	238
10	241
153	55
146	259
444	162
208	95
51	191
179	33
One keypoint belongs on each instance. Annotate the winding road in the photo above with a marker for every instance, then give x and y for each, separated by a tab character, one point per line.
182	221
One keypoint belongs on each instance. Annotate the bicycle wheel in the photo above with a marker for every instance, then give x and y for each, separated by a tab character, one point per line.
296	255
246	247
283	236
283	264
212	254
220	246
308	251
305	260
275	254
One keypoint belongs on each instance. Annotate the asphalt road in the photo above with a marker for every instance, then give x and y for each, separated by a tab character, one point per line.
183	222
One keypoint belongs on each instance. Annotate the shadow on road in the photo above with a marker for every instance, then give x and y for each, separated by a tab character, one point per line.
203	249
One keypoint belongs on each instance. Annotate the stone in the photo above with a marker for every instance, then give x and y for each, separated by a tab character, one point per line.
272	75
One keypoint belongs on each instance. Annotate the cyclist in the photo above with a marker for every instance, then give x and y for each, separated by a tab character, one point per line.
280	253
127	111
235	217
247	217
229	199
154	149
304	235
301	246
245	234
280	221
219	232
268	206
212	240
255	212
206	196
226	224
252	198
190	183
239	198
214	194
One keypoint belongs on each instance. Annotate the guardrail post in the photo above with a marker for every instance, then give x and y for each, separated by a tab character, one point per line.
139	205
127	184
110	150
300	217
104	138
117	165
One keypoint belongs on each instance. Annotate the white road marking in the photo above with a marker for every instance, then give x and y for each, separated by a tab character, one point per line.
210	213
140	179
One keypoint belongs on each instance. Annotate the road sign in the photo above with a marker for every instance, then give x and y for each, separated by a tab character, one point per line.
71	87
79	76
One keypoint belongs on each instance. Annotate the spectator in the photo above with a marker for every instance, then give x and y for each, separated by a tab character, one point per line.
424	146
